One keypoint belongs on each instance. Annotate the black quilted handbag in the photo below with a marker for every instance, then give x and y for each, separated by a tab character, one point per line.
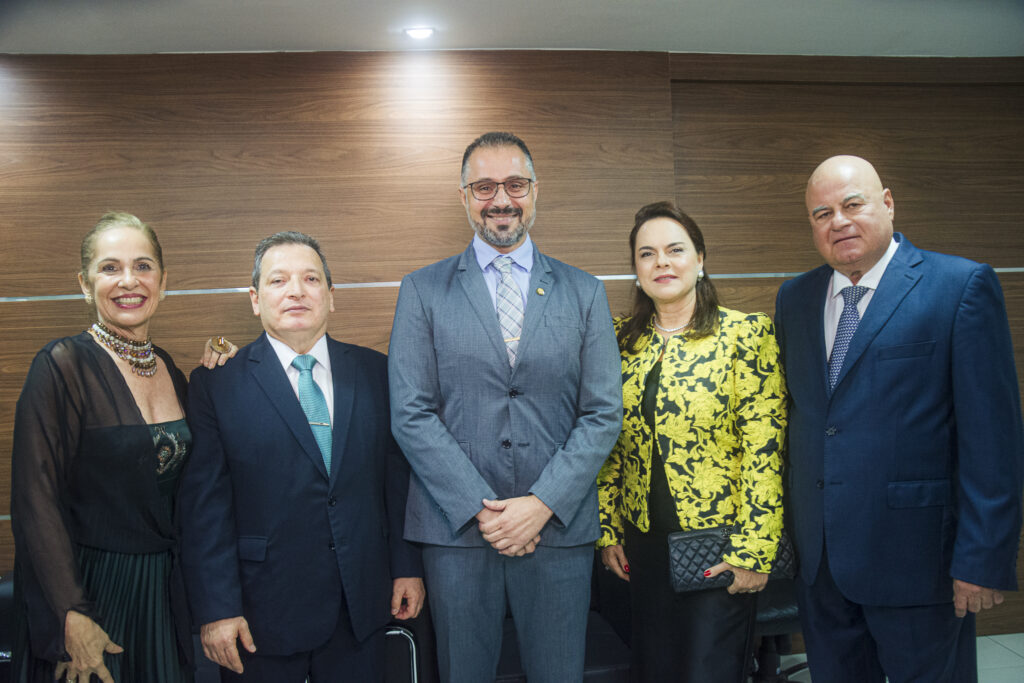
691	552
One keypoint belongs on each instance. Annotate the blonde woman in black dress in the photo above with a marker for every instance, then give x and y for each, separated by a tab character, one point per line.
99	440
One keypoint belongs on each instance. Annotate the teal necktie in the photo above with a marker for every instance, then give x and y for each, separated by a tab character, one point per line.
315	406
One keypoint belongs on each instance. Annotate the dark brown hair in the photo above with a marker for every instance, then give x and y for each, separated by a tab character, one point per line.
705	312
496	139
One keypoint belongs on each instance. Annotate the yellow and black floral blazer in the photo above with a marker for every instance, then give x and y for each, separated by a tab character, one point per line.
720	423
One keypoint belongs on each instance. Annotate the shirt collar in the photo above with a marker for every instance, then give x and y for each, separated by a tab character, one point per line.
522	255
869	279
287	354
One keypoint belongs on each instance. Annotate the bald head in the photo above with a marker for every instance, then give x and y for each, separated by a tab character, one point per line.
851	214
846	167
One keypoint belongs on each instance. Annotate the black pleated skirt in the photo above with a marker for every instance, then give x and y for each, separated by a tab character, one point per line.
132	595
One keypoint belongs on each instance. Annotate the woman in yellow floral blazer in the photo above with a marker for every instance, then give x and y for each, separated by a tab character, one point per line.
704	402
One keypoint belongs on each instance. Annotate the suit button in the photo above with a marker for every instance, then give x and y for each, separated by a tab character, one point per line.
331	546
820	484
831	431
506	444
332	501
513	393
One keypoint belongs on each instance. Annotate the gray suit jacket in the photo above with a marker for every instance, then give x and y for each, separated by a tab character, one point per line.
473	428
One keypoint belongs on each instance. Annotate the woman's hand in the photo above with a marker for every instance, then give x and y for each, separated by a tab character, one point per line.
614	557
743	581
217	351
86	642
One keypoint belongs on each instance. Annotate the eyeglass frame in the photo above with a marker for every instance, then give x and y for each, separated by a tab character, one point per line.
529	185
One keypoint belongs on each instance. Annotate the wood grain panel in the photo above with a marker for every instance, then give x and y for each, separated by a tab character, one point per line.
361	150
822	69
6	548
953	157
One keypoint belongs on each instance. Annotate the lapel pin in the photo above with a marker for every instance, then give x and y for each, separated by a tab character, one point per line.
540	290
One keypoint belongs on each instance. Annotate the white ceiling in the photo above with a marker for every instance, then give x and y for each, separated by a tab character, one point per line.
952	28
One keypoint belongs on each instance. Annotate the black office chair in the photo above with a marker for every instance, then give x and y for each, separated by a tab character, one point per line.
777	619
411	650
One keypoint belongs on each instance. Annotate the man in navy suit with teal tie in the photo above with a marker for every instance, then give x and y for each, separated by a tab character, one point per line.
905	442
506	398
293	502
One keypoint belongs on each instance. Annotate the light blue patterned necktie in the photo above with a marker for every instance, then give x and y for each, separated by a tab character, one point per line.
848	321
509	301
315	406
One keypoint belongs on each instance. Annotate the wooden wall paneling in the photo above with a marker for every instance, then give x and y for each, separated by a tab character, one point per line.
825	69
6	547
953	157
359	149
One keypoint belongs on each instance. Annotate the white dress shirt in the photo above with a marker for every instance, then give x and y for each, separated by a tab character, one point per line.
321	371
834	301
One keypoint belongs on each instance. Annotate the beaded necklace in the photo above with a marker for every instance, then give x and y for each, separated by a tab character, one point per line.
139	355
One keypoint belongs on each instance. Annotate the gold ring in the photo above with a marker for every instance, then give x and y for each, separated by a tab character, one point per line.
220	344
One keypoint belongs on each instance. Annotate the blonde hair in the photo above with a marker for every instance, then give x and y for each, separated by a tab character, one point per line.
109	221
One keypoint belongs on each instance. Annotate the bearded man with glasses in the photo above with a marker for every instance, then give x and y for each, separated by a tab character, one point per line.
505	398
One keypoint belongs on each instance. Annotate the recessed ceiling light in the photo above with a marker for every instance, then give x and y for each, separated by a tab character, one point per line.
421	33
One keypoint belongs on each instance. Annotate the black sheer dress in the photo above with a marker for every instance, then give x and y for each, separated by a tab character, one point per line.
92	499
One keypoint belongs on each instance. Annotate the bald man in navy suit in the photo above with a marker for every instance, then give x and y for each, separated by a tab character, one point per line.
905	442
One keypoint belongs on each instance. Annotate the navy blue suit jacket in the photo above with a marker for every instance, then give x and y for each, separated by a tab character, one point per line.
910	470
267	533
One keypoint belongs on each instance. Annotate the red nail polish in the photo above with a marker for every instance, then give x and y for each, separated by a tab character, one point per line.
707	572
626	567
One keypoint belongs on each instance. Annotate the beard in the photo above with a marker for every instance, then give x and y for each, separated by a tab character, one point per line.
503	239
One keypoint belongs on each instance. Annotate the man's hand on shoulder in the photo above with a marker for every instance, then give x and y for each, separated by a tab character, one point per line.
219	639
516	529
407	596
969	597
217	351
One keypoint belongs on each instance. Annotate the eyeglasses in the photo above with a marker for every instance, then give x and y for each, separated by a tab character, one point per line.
487	189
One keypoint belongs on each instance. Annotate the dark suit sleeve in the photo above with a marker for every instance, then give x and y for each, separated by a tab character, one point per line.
990	446
209	551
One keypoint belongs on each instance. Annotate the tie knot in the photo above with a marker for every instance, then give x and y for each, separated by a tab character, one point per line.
853	294
503	263
304	363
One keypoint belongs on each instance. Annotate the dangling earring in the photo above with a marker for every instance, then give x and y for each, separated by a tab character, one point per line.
163	295
637	283
88	298
700	275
